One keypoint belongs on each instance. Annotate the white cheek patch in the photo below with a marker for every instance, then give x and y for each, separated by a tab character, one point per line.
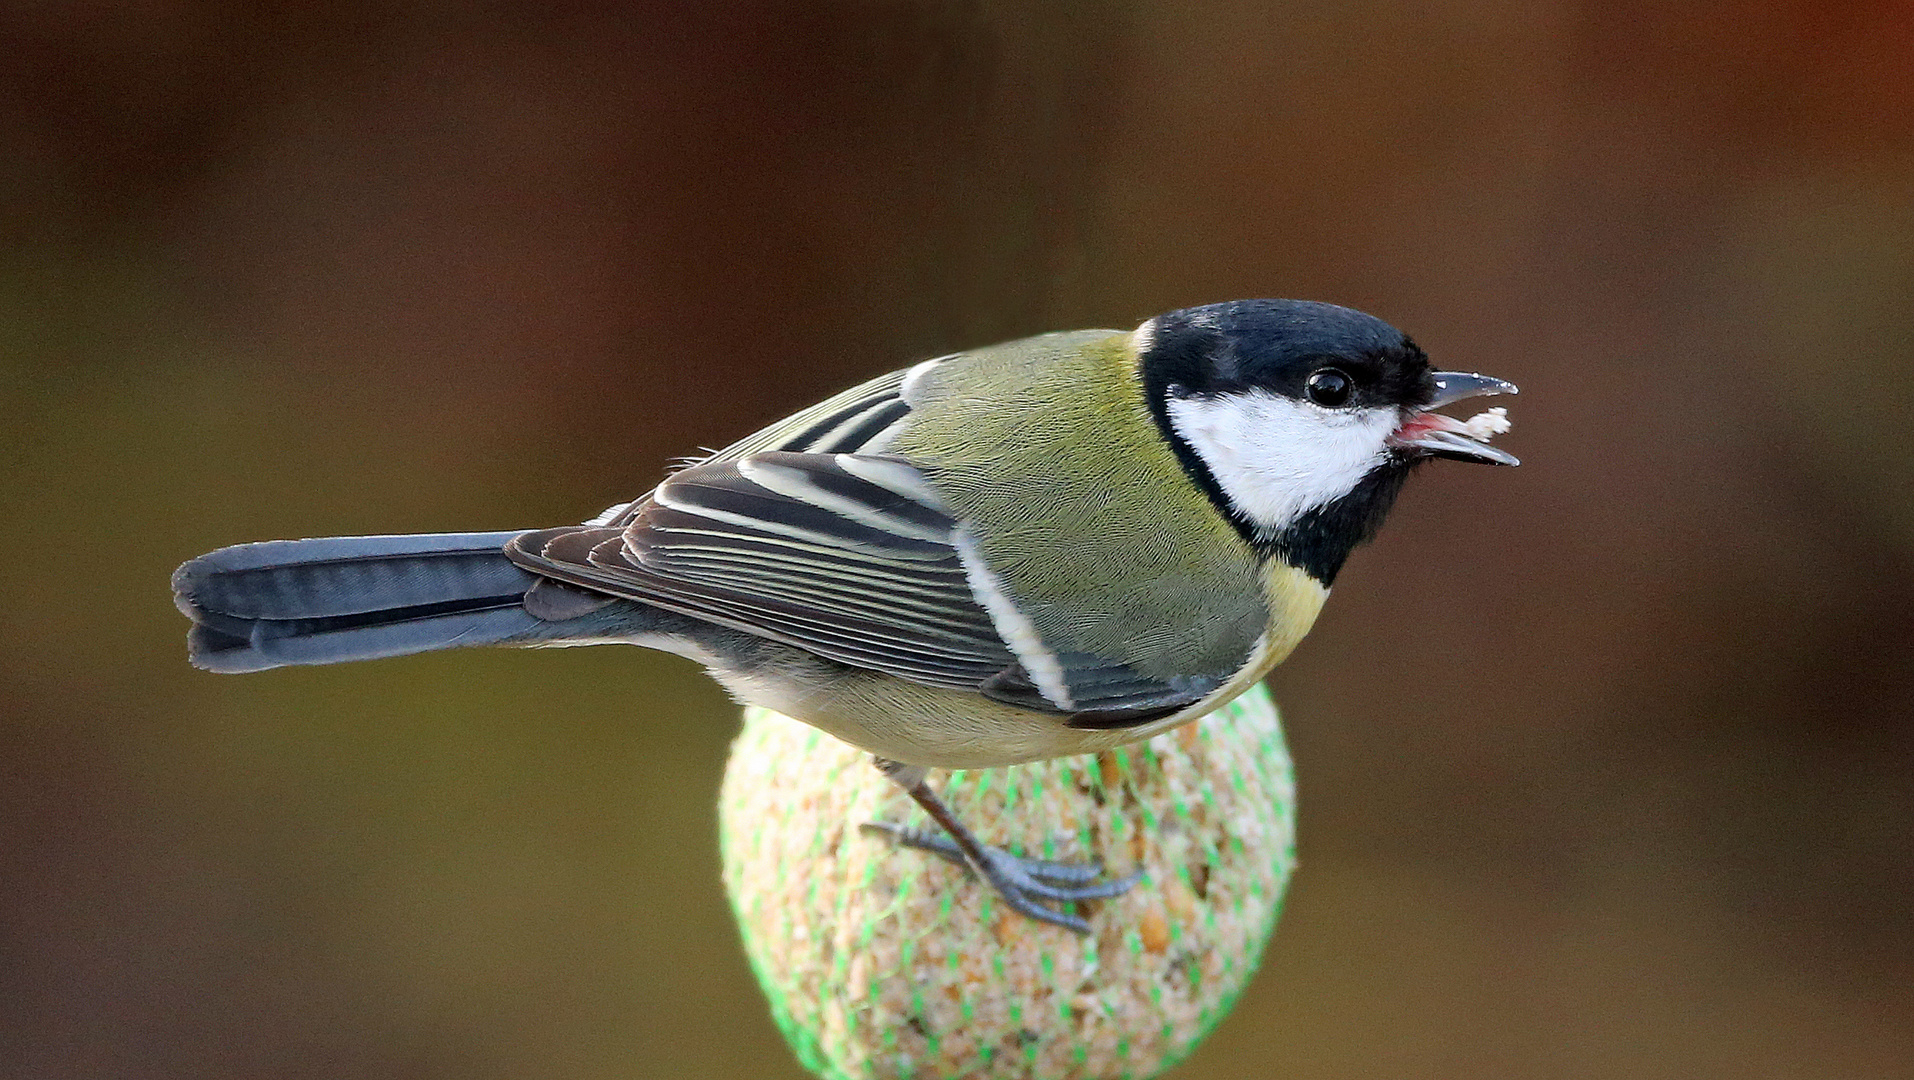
1278	458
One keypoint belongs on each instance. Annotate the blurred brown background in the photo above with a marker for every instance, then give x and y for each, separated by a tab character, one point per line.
1607	762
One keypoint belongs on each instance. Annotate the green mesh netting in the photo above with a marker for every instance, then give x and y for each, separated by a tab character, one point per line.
882	962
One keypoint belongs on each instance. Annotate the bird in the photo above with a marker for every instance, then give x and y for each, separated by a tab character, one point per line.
1043	548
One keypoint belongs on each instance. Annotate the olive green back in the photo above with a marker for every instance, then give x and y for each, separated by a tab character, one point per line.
1052	432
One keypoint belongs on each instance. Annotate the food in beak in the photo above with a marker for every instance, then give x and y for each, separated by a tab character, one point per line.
1461	440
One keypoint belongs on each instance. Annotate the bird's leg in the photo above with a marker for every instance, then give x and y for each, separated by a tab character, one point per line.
1021	882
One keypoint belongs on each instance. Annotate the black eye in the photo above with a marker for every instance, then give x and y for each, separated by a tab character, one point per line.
1329	388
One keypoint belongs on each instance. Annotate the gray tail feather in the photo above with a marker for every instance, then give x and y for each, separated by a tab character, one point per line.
259	606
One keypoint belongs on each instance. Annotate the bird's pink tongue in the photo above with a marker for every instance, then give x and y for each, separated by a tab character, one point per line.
1434	431
1424	422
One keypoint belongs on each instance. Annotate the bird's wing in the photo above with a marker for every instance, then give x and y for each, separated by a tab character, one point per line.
843	556
1103	694
850	557
858	421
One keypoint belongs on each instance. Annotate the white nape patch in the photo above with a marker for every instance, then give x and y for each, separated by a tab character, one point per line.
1012	625
1144	337
1278	458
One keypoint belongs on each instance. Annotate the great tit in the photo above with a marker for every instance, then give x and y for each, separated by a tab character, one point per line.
1048	547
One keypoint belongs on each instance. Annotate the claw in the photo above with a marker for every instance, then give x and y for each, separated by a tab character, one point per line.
1054	871
1021	881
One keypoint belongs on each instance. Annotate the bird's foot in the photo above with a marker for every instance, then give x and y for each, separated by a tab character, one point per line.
1021	881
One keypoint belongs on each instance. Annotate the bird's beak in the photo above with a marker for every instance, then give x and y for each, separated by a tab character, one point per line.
1434	434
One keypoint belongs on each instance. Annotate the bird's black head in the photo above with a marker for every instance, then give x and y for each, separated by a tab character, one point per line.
1301	420
1276	345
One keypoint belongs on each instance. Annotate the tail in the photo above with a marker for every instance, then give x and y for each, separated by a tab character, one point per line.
259	606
